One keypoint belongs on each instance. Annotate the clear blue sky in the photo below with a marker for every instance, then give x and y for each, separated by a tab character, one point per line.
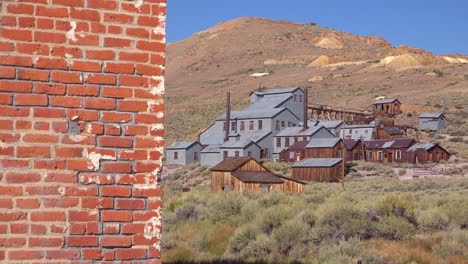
439	26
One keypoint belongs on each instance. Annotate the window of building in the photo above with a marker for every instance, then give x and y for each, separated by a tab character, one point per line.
260	124
236	154
283	123
379	155
355	131
225	154
370	156
278	125
278	142
350	131
289	124
249	153
287	142
195	156
242	125
233	125
265	188
176	155
251	125
338	153
295	98
398	154
300	98
366	131
227	188
267	152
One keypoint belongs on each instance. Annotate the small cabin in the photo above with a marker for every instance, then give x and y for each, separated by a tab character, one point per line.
354	149
325	148
388	151
359	132
422	153
319	170
246	174
183	152
388	106
294	153
432	121
386	132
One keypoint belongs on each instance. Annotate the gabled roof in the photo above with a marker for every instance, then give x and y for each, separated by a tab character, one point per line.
299	131
393	131
425	147
231	164
244	140
431	115
255	113
269	102
276	91
182	144
211	149
389	143
322	162
326	123
350	144
256	176
360	126
386	101
298	146
323	142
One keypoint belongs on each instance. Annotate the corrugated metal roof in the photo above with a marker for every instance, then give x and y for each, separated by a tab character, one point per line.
299	131
394	131
254	113
211	149
298	145
360	126
389	143
231	164
423	146
181	144
431	115
323	142
256	176
268	102
326	123
245	139
330	162
277	90
386	101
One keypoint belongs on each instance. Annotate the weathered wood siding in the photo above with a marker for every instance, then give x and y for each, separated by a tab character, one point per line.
436	155
380	133
355	154
334	152
297	156
252	166
319	174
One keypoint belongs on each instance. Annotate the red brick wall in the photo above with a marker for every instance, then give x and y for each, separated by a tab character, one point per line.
81	134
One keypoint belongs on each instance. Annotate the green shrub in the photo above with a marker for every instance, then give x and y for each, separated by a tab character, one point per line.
168	241
433	220
225	206
185	212
292	239
454	244
273	218
457	213
199	242
261	248
347	252
242	238
397	205
456	139
308	217
395	228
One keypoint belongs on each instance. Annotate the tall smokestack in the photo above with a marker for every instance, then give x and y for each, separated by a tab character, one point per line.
306	103
228	117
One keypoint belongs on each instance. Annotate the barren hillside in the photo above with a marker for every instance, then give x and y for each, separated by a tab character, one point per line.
339	68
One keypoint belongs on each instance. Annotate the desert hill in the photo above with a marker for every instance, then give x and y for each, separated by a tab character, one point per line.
340	69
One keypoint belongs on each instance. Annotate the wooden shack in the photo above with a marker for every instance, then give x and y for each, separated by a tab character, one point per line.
296	152
390	107
386	132
354	149
246	174
426	153
325	148
387	151
319	170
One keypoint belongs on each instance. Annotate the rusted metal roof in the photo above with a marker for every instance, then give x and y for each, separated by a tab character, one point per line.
393	131
386	101
318	162
256	176
389	143
231	164
350	144
431	115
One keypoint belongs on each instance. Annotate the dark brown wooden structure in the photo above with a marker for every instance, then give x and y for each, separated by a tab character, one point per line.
354	150
427	153
325	148
387	106
319	170
387	151
246	174
296	152
385	132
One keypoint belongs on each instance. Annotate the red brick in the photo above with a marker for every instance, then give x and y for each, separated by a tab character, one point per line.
99	103
147	166
111	229
133	155
82	241
155	192
7	151
117	92
81	191
85	40
133	56
113	130
130	7
14	163
20	9
66	77
6	203
100	54
7	73
6	125
135	81
151	46
49	164
45	23
22	177
114	30
147	142
23	124
96	129
82	90
80	165
118	18
61	152
147	119
42	190
79	139
40	138
119	67
62	51
83	115
31	100
100	78
130	254
130	204
60	127
95	178
132	106
117	42
117	167
15	86
102	4
6	46
49	113
51	11
48	216
45	242
149	70
15	216
38	229
16	34
25	254
116	117
116	191
37	151
86	66
116	241
85	14
41	125
63	202
25	22
138	32
115	142
135	130
62	254
49	37
51	63
15	61
101	203
10	190
83	216
116	216
91	253
138	228
61	177
148	21
49	88
6	99
19	229
72	3
66	101
58	229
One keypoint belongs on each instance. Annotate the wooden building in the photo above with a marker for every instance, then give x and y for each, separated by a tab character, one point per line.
354	149
246	174
390	107
427	153
294	153
432	121
319	170
325	148
386	132
387	151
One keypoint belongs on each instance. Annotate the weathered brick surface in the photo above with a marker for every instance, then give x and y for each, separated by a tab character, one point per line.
81	134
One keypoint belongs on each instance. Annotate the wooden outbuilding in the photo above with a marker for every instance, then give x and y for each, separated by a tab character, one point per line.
426	153
385	132
319	170
388	107
432	121
294	153
354	149
246	174
387	151
325	148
